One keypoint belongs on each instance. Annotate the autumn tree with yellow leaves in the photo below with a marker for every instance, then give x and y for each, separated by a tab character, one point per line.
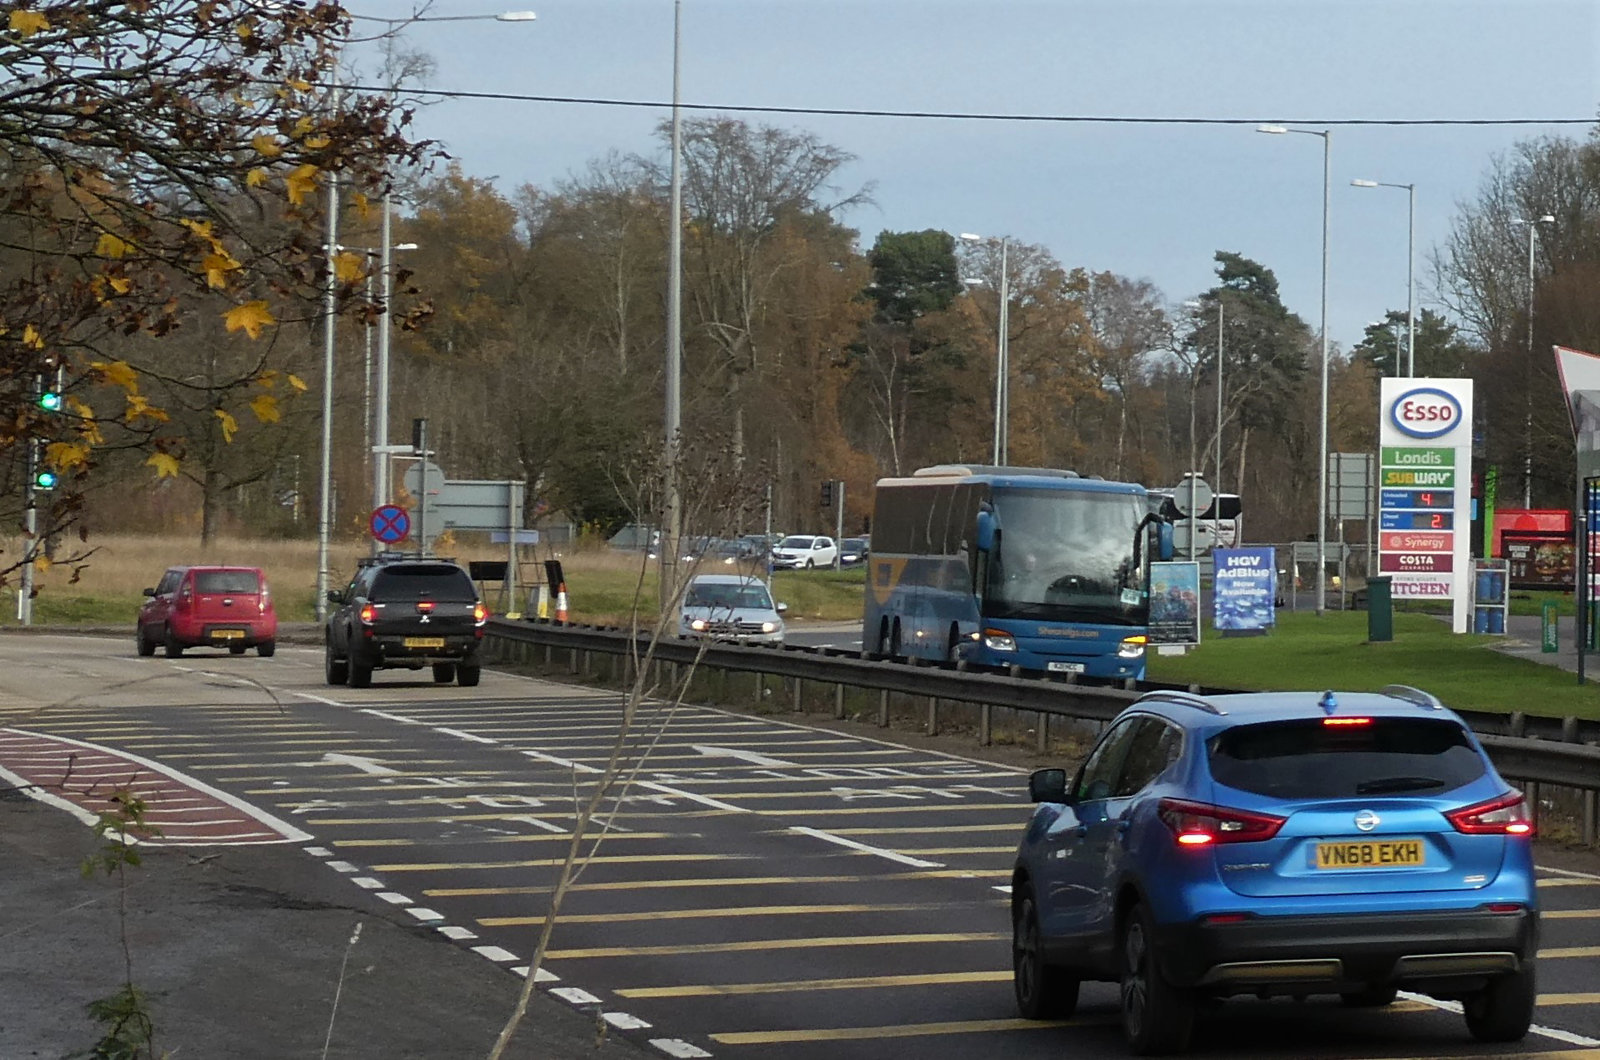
163	162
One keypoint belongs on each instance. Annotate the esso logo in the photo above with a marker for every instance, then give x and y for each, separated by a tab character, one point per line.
1426	412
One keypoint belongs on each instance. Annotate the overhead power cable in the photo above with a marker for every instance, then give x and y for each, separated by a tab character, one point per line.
865	112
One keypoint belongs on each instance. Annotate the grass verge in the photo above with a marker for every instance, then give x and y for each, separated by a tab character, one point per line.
1332	652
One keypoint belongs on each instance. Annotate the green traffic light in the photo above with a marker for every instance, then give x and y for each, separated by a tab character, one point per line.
50	401
45	480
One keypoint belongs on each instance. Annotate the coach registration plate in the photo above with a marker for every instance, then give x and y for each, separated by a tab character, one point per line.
424	642
1371	854
1064	667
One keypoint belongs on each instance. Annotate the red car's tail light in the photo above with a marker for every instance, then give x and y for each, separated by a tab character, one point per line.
369	614
1195	824
480	614
1503	815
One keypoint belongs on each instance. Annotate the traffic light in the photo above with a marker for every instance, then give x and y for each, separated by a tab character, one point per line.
827	494
45	479
50	400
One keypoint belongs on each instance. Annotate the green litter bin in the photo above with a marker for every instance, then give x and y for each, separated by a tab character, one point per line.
1380	610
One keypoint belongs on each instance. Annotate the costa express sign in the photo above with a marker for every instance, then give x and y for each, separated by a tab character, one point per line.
1426	412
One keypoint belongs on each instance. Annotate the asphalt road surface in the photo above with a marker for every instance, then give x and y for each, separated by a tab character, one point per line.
763	889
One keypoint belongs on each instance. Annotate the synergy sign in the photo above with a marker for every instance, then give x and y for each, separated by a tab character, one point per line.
1424	494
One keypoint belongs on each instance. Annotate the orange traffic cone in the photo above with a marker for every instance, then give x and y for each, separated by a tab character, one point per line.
561	602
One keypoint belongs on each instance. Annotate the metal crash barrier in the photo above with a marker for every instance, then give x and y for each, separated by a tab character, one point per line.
1556	760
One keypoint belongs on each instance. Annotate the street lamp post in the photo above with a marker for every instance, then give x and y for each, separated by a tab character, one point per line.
673	514
1527	420
1002	372
1411	281
1322	449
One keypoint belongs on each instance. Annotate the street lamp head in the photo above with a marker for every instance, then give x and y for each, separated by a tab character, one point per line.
404	246
1364	183
971	237
515	16
1275	130
1548	219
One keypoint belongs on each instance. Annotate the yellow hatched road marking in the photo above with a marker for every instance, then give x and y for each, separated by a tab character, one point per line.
343	789
1567	882
1568	914
537	837
1572	951
942	807
905	1030
695	914
762	945
348	769
1569	999
795	985
544	863
719	881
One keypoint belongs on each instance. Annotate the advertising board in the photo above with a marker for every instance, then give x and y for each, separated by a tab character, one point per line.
1424	490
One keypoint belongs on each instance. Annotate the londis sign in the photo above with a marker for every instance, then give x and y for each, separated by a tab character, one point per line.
1425	412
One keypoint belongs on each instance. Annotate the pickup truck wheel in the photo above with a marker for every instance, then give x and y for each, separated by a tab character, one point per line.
444	673
467	676
360	675
336	670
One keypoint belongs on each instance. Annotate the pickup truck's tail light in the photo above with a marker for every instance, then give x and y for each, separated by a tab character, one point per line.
369	614
480	614
425	606
1197	824
1502	815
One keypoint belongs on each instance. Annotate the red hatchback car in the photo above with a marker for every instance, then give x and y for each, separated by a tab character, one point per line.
211	607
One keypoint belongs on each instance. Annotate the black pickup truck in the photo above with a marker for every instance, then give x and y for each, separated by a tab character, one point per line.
406	613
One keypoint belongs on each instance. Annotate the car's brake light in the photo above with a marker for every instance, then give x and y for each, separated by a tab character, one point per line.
264	599
1342	722
1195	824
480	614
1503	815
425	606
369	614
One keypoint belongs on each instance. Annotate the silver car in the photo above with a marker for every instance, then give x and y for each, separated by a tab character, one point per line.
731	607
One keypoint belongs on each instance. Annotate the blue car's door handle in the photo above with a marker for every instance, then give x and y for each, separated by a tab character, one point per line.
1123	826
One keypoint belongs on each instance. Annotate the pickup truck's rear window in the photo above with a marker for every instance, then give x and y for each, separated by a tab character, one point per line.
434	581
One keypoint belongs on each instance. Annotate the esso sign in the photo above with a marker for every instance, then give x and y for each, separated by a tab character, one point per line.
1425	413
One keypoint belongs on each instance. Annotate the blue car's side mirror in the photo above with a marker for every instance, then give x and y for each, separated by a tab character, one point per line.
1048	785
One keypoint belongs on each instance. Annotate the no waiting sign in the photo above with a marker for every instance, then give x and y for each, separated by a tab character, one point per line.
390	523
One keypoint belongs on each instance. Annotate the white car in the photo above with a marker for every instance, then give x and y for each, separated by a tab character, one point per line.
732	607
801	552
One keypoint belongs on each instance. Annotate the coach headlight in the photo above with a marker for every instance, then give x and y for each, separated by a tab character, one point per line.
1132	647
999	640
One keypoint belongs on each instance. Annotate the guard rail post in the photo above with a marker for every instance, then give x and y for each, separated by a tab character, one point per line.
933	715
799	706
883	709
1042	734
838	700
985	725
1591	803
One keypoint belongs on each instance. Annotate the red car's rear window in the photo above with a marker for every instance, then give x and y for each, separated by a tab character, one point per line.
227	581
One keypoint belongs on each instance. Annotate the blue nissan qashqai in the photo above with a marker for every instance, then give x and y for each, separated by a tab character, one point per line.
1277	844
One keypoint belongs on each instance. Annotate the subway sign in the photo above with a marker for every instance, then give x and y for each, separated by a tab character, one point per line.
1425	412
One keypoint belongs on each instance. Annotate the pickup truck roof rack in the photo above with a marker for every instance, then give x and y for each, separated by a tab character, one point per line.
397	557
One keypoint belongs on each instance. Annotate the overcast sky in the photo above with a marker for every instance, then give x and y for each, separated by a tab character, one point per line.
1147	201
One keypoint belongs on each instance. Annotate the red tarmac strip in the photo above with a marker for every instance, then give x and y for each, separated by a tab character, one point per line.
82	779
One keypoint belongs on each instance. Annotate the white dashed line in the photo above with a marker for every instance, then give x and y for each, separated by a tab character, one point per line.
574	995
494	953
458	734
394	899
545	975
625	1022
318	852
368	883
342	866
679	1048
576	767
422	913
459	934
